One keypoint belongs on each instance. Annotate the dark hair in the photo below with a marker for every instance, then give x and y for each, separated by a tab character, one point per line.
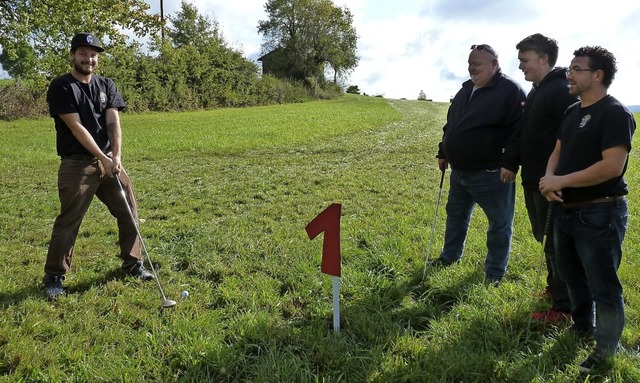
542	45
600	59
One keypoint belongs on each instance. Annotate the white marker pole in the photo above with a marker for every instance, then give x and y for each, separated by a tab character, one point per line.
336	304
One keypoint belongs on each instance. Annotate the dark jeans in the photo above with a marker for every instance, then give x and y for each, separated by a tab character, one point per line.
78	181
589	249
497	200
537	208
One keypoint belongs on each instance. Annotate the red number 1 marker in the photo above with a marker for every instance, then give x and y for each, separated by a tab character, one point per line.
328	222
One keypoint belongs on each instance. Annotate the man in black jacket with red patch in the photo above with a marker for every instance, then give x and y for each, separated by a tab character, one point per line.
546	103
480	142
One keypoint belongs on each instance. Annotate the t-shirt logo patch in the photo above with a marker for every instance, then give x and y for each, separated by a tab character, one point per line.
585	120
103	97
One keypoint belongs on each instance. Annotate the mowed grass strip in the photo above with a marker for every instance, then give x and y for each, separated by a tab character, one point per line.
225	196
226	131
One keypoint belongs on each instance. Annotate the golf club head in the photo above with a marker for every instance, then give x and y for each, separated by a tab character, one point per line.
167	303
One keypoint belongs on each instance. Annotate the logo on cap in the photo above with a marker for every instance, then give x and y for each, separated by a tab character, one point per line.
90	39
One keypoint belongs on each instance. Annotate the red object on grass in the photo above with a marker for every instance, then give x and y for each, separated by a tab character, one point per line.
328	221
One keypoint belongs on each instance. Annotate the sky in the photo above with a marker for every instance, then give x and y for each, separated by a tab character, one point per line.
406	46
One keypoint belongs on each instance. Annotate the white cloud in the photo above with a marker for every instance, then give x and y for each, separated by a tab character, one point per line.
426	48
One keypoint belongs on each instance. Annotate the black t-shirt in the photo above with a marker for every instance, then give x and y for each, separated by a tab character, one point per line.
585	133
68	95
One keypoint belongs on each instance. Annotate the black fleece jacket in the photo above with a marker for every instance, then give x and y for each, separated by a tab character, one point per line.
482	131
543	111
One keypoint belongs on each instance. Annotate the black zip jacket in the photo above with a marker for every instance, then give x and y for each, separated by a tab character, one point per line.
543	111
482	131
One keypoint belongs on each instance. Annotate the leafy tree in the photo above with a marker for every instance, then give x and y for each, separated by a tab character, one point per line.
354	89
47	26
191	28
306	35
199	65
22	62
341	41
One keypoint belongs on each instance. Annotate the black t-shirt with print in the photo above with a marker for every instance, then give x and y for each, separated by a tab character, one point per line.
68	95
585	133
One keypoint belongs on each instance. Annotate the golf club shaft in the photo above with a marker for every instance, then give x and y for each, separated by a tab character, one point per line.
545	234
135	224
547	224
433	225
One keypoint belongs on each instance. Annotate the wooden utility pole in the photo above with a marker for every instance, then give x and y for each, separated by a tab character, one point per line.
162	20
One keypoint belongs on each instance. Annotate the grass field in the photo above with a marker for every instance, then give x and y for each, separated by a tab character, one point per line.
225	196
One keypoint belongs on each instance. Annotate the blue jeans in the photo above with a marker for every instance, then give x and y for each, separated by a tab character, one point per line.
497	200
589	251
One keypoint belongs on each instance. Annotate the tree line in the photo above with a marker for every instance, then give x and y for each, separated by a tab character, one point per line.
187	63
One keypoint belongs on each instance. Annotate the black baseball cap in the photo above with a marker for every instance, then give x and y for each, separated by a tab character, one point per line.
86	39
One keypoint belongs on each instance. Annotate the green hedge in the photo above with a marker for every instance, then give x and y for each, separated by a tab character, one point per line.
176	79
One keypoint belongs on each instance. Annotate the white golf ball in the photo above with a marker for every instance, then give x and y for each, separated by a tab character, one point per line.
185	294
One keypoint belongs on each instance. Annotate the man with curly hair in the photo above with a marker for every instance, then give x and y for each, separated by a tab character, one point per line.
585	176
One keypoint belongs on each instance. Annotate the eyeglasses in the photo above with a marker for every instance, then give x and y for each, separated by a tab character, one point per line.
484	47
574	71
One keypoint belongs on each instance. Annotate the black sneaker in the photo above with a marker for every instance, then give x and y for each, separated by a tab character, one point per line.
492	280
53	286
139	271
583	334
438	263
593	361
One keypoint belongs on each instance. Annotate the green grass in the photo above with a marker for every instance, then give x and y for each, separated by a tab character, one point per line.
225	196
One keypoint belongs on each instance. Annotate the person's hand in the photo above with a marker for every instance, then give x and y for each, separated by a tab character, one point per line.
507	176
551	188
107	165
116	167
443	164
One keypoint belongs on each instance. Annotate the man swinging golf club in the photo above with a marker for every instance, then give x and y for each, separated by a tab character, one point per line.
85	109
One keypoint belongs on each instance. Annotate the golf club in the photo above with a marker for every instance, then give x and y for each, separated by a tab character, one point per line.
166	303
545	234
433	225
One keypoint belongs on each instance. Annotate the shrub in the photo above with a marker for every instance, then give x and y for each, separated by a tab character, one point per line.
270	90
22	99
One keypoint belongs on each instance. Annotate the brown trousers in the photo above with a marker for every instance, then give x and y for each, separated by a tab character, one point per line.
78	181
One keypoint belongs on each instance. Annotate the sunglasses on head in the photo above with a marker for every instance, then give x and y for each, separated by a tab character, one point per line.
484	47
